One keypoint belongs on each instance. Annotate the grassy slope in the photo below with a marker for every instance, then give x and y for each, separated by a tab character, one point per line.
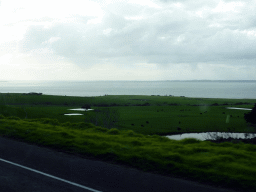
226	164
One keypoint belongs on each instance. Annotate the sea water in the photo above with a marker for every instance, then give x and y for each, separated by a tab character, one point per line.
203	89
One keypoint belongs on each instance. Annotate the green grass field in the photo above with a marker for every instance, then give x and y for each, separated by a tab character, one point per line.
143	114
132	137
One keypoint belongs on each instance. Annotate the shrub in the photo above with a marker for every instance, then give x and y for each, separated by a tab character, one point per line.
113	131
174	157
190	141
86	106
130	133
50	121
101	129
13	118
136	143
251	117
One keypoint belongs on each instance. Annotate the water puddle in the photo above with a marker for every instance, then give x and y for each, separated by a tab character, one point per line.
74	114
81	109
239	108
78	109
212	135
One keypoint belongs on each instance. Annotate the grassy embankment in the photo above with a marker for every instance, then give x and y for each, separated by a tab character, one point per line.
226	164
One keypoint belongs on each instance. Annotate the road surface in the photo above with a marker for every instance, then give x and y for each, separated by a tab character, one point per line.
25	167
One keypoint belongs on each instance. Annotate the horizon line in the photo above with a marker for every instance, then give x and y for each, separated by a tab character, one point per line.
137	80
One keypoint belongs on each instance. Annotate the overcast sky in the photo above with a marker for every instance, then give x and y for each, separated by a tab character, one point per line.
127	40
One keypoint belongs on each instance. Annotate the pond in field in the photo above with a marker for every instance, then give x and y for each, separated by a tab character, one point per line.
212	135
246	109
73	114
81	109
78	109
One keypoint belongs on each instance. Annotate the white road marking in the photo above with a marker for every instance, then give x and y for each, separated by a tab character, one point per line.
48	175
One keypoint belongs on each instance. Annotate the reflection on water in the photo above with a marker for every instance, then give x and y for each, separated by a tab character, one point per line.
239	108
74	114
78	109
81	109
212	135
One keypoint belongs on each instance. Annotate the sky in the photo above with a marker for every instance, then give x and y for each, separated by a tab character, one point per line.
127	40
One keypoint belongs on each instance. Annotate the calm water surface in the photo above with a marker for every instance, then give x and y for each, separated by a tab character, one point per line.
211	135
205	89
72	114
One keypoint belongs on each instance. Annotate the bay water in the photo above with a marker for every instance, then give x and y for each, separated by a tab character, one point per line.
201	89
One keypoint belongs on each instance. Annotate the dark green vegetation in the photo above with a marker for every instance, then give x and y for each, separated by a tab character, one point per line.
251	117
39	119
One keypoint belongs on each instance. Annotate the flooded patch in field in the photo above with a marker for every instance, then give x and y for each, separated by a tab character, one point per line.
246	109
73	114
212	135
81	109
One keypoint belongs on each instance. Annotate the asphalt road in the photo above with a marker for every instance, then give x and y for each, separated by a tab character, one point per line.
77	173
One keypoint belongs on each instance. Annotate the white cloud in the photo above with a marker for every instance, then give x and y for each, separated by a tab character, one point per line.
228	7
180	39
16	10
145	3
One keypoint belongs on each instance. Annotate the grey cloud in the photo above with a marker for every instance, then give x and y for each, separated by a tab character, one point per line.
78	41
167	36
232	45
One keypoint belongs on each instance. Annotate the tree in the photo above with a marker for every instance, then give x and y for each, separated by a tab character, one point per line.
251	117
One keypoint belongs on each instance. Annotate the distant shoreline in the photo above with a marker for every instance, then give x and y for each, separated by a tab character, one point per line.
194	89
188	97
134	80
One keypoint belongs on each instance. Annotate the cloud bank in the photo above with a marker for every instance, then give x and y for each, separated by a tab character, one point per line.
128	40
